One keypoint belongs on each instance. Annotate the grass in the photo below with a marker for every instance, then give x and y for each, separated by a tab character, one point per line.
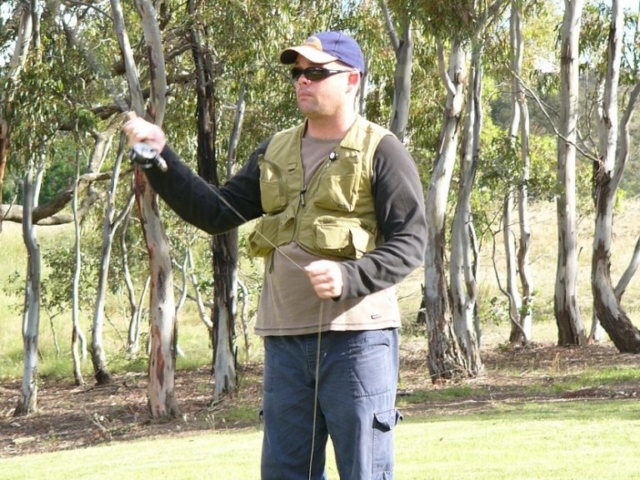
610	376
551	385
577	440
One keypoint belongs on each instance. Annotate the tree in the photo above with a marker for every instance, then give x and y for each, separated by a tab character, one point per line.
33	141
453	310
161	396
614	152
403	49
31	320
571	330
224	247
444	357
23	24
109	225
78	338
521	306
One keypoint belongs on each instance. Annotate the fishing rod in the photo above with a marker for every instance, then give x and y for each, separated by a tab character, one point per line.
146	157
141	154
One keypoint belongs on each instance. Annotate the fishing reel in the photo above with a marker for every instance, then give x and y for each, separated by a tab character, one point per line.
145	157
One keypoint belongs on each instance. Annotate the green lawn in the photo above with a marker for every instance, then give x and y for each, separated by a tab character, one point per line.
585	440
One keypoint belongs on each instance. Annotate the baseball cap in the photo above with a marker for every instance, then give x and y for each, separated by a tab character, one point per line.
326	47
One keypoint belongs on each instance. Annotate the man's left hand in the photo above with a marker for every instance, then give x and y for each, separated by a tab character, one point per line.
326	278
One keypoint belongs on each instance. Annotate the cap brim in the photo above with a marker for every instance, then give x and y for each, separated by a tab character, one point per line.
290	55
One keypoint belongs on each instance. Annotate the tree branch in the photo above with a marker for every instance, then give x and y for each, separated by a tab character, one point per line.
587	155
49	213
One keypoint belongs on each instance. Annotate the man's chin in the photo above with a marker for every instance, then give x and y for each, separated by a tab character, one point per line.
308	111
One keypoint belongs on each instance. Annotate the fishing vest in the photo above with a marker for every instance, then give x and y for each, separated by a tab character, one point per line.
332	216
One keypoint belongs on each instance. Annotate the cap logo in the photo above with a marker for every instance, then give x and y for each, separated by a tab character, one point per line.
314	42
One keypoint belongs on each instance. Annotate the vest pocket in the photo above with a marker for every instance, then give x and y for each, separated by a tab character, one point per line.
344	238
269	231
337	192
273	189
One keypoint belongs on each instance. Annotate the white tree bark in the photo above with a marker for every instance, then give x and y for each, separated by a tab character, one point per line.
135	306
162	402
403	49
524	267
109	225
78	339
463	282
511	287
444	358
607	175
522	302
571	330
28	400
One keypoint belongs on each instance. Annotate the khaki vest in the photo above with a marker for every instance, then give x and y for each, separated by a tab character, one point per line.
333	216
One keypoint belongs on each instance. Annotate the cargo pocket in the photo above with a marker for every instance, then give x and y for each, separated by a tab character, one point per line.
337	192
384	422
273	188
339	183
270	231
343	238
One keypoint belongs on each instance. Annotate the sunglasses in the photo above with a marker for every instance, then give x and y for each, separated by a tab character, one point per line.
314	73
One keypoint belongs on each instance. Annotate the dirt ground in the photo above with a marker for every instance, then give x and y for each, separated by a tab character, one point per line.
71	417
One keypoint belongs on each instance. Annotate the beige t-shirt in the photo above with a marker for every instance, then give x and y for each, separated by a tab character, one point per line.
289	305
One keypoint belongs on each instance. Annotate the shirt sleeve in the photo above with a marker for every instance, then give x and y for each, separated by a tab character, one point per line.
400	213
214	210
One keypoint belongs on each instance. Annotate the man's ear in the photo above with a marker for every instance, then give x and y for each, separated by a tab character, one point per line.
354	79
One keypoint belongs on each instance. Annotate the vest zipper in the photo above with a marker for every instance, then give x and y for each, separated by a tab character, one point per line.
272	261
303	194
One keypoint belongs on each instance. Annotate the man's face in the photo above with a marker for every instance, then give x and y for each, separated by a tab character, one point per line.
328	96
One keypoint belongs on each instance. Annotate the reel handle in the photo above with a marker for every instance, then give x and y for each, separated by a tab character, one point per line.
143	155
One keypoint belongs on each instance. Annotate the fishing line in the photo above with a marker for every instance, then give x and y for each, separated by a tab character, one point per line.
142	150
320	316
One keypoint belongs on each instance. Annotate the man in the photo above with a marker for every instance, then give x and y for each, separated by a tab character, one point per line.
342	221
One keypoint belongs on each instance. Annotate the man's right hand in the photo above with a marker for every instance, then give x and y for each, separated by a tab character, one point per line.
139	130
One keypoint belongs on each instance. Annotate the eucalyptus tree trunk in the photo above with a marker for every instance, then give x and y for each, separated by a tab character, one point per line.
78	339
522	303
571	330
226	283
224	247
607	175
109	225
464	288
511	284
23	19
135	304
444	358
524	248
161	396
28	401
225	306
162	310
403	49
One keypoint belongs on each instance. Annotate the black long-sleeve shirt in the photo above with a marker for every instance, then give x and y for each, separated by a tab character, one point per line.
398	198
